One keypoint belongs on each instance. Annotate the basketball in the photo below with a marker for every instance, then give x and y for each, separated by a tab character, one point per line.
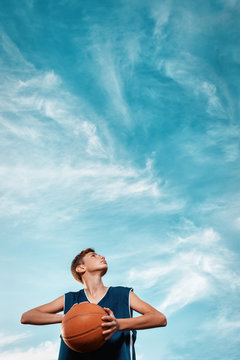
81	327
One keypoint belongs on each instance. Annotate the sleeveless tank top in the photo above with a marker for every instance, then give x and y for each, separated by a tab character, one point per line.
121	345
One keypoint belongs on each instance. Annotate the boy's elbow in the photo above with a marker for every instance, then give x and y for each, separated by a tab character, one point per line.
23	319
164	321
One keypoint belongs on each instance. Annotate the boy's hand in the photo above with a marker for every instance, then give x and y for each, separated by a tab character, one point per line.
110	324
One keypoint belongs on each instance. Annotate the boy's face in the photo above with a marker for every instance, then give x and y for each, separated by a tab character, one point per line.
94	262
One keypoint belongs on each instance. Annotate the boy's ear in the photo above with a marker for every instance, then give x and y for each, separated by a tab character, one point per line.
80	269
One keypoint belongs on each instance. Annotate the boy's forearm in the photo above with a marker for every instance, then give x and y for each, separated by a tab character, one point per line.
146	321
37	317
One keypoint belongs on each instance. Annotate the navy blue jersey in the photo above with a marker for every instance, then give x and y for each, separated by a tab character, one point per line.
121	345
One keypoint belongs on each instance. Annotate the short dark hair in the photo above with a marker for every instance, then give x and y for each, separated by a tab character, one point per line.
78	260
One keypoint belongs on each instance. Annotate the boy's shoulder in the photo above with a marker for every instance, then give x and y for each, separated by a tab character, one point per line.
74	292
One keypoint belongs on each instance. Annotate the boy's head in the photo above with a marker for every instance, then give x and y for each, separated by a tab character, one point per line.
87	260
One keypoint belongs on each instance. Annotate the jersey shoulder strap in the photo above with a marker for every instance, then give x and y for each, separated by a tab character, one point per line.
72	298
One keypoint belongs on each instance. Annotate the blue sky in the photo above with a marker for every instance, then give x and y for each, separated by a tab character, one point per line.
120	130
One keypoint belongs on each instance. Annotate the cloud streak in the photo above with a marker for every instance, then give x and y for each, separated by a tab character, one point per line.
112	81
197	267
6	339
72	153
183	70
87	183
47	350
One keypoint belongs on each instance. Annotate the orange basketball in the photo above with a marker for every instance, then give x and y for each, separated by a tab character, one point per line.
81	327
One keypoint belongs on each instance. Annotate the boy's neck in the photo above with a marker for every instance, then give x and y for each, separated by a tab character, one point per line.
93	285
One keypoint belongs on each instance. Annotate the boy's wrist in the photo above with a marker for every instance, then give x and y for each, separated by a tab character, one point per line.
122	324
61	316
119	324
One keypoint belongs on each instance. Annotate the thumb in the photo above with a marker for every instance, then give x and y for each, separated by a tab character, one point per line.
108	311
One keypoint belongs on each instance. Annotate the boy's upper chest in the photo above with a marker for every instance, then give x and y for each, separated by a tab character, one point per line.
96	298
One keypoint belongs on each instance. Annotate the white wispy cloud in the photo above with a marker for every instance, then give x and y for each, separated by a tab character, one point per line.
112	81
10	206
230	3
15	60
47	350
196	267
47	80
93	182
28	96
133	48
197	76
185	70
226	324
94	146
160	12
221	137
209	90
191	287
227	138
33	105
42	96
25	132
6	339
237	222
29	100
231	152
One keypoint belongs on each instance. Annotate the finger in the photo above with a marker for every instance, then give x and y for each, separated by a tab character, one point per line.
108	311
106	332
109	324
106	337
113	329
107	318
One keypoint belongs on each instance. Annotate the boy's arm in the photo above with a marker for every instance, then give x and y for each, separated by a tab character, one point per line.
45	314
150	318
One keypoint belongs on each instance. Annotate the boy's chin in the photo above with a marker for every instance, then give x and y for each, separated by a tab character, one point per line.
104	271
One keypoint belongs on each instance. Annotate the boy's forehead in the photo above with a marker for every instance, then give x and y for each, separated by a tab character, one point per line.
90	253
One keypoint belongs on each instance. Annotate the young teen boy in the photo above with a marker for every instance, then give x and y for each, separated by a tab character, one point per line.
119	327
